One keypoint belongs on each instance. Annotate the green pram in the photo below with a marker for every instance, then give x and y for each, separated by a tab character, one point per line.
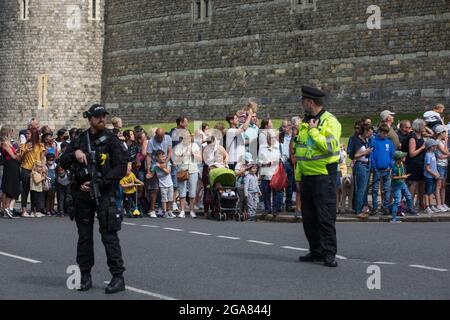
222	196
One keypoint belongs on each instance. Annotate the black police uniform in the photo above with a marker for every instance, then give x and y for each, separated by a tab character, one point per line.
112	169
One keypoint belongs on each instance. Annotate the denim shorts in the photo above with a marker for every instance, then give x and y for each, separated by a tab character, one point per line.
189	185
442	172
430	186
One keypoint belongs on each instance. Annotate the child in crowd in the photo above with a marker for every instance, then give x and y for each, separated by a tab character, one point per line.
431	175
166	190
381	161
62	189
50	193
442	155
399	188
128	184
252	191
38	175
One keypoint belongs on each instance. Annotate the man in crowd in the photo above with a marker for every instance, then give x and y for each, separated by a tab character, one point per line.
234	139
387	117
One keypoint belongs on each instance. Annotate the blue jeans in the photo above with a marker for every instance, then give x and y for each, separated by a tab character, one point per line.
289	169
399	191
269	205
386	177
361	181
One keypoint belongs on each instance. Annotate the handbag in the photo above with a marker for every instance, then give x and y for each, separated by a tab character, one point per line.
183	175
279	180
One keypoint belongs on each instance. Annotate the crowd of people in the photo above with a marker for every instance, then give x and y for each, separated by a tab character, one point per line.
168	172
407	164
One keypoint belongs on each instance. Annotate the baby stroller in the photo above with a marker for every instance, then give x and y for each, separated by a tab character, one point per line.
221	196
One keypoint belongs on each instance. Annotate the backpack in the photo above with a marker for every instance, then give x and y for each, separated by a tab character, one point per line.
351	149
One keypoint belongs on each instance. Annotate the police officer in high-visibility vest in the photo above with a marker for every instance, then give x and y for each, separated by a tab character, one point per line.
317	157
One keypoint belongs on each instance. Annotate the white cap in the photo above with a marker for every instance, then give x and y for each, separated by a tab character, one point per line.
385	114
440	128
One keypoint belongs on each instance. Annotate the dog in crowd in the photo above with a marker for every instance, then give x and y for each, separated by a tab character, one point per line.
345	191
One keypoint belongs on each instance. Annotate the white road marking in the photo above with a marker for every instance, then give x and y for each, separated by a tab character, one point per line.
260	242
173	229
427	268
294	248
341	257
148	293
150	226
19	257
200	233
383	262
129	224
226	237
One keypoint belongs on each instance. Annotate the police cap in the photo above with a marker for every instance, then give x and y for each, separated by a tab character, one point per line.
312	93
96	110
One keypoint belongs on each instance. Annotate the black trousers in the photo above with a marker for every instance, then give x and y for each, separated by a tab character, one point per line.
318	194
25	176
84	217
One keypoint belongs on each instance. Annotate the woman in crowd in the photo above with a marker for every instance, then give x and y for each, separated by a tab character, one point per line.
30	152
187	156
415	147
296	122
268	159
11	171
361	167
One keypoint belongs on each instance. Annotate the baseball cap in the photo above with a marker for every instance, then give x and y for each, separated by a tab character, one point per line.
430	143
385	114
95	110
440	128
399	155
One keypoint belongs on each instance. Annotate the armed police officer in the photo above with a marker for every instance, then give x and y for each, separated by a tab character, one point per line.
317	156
97	161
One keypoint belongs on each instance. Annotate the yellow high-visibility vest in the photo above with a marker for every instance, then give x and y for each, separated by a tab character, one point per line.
318	147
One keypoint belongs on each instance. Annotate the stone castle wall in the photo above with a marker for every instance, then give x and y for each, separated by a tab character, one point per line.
159	64
57	39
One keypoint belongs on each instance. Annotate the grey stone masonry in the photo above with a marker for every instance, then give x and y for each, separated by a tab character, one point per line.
59	40
159	63
152	60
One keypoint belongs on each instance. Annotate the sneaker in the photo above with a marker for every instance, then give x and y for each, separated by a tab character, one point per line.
446	207
365	209
26	215
395	220
401	214
168	216
175	207
160	213
429	210
442	208
363	215
153	214
435	209
199	207
39	215
171	215
182	215
8	213
193	215
412	211
298	214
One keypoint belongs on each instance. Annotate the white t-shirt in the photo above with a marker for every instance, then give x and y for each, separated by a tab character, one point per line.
235	145
183	157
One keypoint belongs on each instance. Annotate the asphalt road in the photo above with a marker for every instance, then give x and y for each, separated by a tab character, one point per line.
203	260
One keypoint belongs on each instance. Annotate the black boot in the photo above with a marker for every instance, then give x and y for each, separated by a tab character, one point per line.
86	281
310	258
117	284
330	261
